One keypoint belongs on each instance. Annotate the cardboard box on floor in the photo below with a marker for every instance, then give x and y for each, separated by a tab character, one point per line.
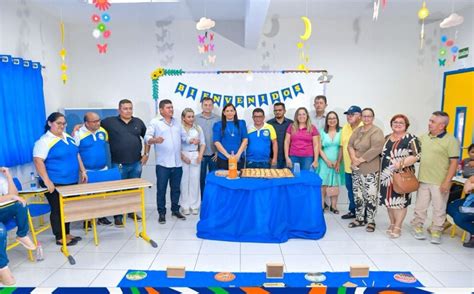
175	272
359	271
274	270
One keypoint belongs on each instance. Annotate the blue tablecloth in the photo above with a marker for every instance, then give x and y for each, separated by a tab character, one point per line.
262	210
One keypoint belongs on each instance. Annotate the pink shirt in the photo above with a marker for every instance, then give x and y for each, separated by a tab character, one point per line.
301	143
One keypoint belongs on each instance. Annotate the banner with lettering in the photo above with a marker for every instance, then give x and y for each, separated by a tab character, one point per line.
246	91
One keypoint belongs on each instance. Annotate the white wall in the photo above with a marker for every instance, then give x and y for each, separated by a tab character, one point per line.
384	69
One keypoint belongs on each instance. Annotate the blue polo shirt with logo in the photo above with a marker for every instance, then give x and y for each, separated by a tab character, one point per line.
92	147
260	143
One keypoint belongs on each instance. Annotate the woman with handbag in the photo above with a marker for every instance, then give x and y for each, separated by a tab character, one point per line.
397	177
330	169
365	146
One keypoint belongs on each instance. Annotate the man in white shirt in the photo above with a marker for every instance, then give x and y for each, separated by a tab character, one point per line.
165	134
320	104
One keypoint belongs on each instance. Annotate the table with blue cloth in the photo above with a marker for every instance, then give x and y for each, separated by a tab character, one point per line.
262	210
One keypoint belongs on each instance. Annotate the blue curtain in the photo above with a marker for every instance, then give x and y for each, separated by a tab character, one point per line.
22	109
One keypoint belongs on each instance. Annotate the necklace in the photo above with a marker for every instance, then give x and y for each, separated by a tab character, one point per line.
231	133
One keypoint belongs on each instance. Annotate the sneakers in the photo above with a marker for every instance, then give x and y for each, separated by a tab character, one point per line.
118	222
162	219
104	221
178	215
348	215
130	215
418	233
435	237
470	243
195	211
186	211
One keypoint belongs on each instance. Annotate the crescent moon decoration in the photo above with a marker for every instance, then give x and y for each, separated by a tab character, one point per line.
304	57
275	28
307	28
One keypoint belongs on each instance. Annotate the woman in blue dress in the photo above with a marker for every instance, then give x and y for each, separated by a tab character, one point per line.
230	137
330	160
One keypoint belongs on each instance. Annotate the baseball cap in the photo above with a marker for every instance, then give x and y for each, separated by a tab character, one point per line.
353	109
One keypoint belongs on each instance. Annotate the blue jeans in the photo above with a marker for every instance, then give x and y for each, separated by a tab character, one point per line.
350	193
258	164
207	165
462	220
305	162
163	176
19	213
128	171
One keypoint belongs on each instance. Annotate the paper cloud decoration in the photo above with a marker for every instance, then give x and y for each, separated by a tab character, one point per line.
451	21
205	24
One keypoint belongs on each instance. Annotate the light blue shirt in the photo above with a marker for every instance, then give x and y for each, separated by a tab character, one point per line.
195	132
168	153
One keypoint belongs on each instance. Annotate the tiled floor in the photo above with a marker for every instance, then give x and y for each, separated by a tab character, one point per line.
445	265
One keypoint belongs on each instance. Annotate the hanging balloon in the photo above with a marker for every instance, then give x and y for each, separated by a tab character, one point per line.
107	34
444	38
454	49
449	43
96	33
442	52
95	18
101	27
105	17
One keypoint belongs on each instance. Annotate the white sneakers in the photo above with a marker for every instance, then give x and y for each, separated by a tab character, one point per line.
186	211
189	211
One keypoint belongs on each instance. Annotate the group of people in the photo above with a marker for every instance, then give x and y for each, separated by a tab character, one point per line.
356	155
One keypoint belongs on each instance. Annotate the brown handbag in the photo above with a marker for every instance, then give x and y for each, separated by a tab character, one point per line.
404	180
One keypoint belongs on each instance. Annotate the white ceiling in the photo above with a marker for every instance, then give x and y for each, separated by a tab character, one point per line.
244	18
79	11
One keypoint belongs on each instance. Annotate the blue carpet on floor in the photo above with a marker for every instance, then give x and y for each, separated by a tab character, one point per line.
206	279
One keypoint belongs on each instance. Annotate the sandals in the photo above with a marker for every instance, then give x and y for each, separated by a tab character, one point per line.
70	243
370	227
26	242
394	235
389	230
356	223
333	210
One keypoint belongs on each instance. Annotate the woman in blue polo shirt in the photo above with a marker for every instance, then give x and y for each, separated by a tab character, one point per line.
58	163
230	136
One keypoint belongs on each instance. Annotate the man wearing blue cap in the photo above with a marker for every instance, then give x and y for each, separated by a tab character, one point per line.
353	115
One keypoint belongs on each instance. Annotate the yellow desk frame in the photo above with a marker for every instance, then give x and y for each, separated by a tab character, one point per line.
91	201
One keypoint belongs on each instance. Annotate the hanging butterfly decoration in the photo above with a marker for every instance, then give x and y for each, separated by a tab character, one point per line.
206	40
443	53
63	54
101	21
